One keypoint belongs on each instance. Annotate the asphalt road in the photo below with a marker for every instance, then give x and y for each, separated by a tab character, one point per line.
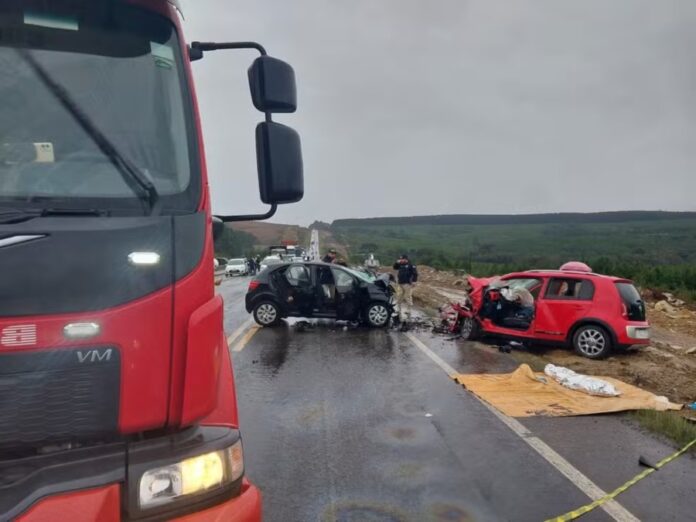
362	425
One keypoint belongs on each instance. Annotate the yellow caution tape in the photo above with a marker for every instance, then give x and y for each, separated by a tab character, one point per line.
572	515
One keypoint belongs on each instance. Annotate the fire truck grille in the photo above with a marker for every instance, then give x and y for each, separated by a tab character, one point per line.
58	396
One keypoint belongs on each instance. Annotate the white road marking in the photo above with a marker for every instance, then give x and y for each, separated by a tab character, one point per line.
584	484
239	331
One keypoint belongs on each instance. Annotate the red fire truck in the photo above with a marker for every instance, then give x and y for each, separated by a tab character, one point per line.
117	397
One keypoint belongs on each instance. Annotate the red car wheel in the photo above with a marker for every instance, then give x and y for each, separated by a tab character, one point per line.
592	341
468	328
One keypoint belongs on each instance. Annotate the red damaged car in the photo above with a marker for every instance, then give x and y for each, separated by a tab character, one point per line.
573	306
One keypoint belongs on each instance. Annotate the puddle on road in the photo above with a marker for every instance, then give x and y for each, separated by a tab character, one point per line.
271	361
311	416
402	433
362	512
449	513
374	512
398	434
482	358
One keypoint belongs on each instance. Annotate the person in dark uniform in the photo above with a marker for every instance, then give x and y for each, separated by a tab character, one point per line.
407	277
330	257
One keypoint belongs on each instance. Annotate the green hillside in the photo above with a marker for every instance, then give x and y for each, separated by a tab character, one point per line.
655	248
521	219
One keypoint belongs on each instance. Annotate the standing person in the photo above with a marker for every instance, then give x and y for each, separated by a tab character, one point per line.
330	257
407	277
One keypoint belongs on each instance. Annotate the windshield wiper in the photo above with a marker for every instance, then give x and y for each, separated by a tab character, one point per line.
15	215
18	215
131	174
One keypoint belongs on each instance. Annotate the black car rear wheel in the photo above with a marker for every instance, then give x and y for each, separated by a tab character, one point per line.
377	315
266	313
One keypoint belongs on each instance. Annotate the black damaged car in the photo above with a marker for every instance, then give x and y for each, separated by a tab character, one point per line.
319	290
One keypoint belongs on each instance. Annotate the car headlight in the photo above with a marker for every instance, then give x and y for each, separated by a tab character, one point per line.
192	476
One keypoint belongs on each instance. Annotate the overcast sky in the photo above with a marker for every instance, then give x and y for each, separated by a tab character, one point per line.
414	107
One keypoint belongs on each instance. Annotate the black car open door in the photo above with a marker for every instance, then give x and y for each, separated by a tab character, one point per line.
347	295
301	295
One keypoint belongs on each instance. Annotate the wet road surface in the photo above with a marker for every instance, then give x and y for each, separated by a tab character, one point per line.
361	425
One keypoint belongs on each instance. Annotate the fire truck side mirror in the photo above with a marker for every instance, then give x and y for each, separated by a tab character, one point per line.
272	84
279	160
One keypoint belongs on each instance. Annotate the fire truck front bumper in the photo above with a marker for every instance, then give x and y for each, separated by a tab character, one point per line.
196	475
103	505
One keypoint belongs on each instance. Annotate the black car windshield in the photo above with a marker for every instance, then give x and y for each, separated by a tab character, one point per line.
368	278
122	67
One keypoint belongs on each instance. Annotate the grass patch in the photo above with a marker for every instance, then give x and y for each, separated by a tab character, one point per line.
669	424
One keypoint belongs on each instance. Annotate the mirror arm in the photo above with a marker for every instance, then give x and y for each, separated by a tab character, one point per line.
250	217
196	49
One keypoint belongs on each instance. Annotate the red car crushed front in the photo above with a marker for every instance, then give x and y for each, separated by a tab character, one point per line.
573	306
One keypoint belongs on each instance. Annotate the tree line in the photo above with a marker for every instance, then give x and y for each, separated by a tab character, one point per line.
517	219
677	278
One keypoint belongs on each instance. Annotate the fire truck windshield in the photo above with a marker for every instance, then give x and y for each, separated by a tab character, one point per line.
95	109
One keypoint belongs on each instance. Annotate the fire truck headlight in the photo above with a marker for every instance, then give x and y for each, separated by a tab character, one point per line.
196	475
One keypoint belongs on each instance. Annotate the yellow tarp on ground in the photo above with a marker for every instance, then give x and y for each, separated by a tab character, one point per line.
521	394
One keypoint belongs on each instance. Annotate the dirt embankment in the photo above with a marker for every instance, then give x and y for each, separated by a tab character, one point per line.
270	234
328	241
666	367
436	288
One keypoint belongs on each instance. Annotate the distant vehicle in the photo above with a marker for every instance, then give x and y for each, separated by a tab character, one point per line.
372	263
216	263
319	290
593	313
237	267
287	251
269	261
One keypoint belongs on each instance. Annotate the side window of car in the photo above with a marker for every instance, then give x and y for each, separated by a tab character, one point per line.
297	275
586	291
535	291
343	279
570	289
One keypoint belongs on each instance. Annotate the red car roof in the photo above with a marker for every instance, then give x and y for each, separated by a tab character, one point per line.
561	273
